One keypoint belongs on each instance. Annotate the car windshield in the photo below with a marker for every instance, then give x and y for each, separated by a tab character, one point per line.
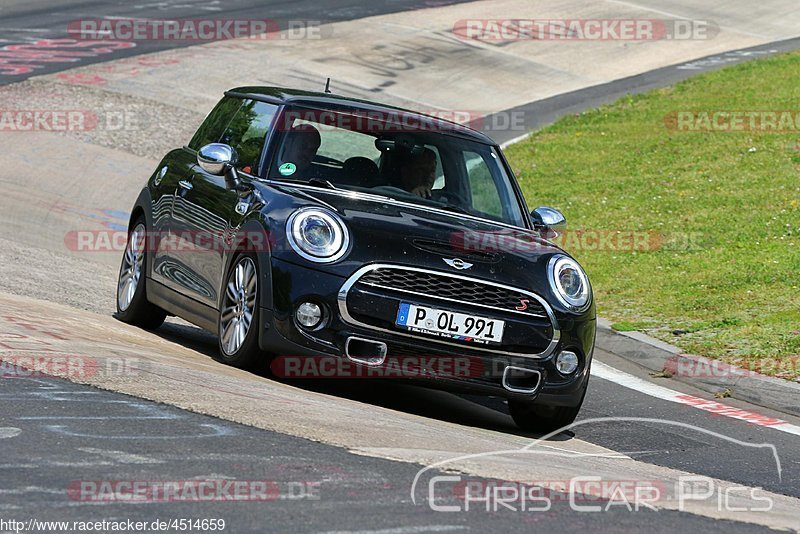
390	157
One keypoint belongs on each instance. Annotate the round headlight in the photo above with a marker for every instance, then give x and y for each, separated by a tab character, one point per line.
567	362
569	283
317	235
309	314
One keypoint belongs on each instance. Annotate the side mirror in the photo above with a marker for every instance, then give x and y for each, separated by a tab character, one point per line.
545	218
216	158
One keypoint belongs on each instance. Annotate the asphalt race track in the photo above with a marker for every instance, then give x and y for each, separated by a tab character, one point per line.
317	488
24	22
331	456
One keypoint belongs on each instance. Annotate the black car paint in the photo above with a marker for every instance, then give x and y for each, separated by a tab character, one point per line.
382	230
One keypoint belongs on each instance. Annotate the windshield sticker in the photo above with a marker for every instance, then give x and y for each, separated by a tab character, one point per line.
287	169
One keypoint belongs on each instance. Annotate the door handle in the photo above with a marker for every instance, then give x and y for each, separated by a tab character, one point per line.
186	184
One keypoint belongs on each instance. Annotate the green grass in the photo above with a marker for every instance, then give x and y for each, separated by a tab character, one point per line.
724	283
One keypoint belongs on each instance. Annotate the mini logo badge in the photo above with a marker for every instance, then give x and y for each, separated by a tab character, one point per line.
457	263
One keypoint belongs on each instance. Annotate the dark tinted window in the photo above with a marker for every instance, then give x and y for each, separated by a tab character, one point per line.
397	158
242	124
246	132
212	128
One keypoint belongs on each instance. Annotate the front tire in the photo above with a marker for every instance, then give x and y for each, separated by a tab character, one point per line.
238	316
132	304
542	419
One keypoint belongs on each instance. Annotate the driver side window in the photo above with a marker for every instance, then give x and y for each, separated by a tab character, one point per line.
485	197
242	124
215	123
247	131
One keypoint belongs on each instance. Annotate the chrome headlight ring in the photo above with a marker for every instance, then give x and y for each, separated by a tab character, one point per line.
317	235
569	283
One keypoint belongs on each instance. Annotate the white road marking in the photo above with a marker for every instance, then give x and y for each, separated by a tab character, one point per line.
121	456
9	432
516	140
27	30
117	17
214	431
32	489
606	372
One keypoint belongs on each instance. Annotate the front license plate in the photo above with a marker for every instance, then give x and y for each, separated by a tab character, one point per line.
451	325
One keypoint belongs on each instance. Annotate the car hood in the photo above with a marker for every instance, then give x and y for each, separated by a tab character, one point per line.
384	231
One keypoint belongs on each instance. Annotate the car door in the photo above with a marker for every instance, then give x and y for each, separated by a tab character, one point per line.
165	186
201	218
204	212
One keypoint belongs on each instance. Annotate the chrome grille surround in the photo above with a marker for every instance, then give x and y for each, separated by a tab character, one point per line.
355	277
445	286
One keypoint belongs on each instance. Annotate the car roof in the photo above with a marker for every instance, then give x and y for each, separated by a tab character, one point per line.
332	102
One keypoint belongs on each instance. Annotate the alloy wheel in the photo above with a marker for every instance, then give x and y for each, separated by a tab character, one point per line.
238	306
131	270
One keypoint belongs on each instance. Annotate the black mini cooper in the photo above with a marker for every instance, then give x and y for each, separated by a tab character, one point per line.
307	227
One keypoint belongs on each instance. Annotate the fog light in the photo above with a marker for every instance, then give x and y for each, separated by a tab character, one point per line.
308	315
567	362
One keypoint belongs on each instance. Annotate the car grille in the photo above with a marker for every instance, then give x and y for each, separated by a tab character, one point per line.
441	286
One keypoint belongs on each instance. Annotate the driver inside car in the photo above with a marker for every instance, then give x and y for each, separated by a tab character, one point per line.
301	145
418	175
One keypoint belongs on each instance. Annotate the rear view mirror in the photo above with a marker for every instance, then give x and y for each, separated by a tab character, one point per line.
383	144
399	142
216	158
546	218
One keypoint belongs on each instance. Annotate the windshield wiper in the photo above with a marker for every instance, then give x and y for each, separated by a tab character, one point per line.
321	183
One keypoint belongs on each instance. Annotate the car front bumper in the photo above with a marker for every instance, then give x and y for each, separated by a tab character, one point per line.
416	358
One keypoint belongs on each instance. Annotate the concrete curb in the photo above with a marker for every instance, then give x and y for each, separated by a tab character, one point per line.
703	373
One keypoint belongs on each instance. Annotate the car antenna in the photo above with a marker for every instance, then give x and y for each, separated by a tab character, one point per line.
328	86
